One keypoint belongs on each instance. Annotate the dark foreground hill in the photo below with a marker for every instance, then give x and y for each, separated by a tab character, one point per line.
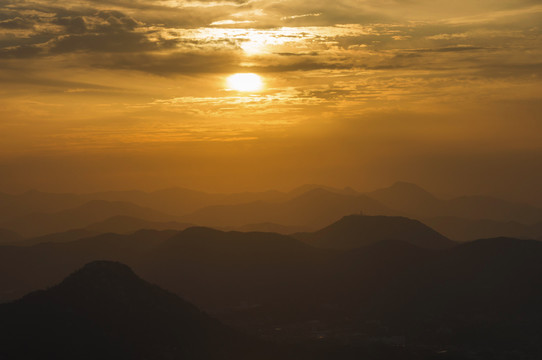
478	297
104	311
356	231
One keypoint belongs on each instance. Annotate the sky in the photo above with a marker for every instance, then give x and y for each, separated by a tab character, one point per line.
125	94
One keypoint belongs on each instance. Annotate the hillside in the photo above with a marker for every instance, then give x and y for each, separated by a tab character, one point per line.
105	311
356	231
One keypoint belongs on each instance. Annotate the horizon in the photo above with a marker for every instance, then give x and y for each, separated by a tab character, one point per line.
247	95
440	196
361	179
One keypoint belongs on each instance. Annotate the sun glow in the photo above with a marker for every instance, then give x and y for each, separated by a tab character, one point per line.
245	82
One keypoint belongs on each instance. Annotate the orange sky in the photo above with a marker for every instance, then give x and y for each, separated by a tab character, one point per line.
132	94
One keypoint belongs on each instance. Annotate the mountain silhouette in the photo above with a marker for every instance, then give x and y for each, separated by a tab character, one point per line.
13	206
356	231
313	209
481	284
65	236
268	227
219	270
461	229
406	197
300	190
46	223
180	201
416	202
27	268
122	224
105	311
483	294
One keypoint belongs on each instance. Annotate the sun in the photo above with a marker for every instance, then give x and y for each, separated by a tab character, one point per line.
245	82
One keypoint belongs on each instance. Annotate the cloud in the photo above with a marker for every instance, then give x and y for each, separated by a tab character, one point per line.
16	23
171	63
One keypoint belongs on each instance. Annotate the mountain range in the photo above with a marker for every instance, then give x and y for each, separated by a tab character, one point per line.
466	298
308	208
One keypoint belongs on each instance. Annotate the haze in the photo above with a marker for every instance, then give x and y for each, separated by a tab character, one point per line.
100	95
271	179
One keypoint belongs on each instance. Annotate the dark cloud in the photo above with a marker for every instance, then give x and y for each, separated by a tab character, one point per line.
312	53
450	49
16	23
305	65
73	24
103	31
20	52
172	63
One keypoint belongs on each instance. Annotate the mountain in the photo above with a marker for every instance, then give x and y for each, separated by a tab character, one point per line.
65	236
180	201
117	224
406	197
236	268
300	190
487	291
356	231
418	203
122	224
27	268
268	227
481	296
482	207
12	206
79	217
105	311
176	201
313	209
461	229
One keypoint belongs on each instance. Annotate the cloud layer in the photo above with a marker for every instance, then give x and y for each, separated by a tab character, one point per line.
105	76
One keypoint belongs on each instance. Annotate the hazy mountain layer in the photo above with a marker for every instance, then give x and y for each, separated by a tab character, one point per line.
418	203
37	224
313	209
471	229
308	207
356	231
